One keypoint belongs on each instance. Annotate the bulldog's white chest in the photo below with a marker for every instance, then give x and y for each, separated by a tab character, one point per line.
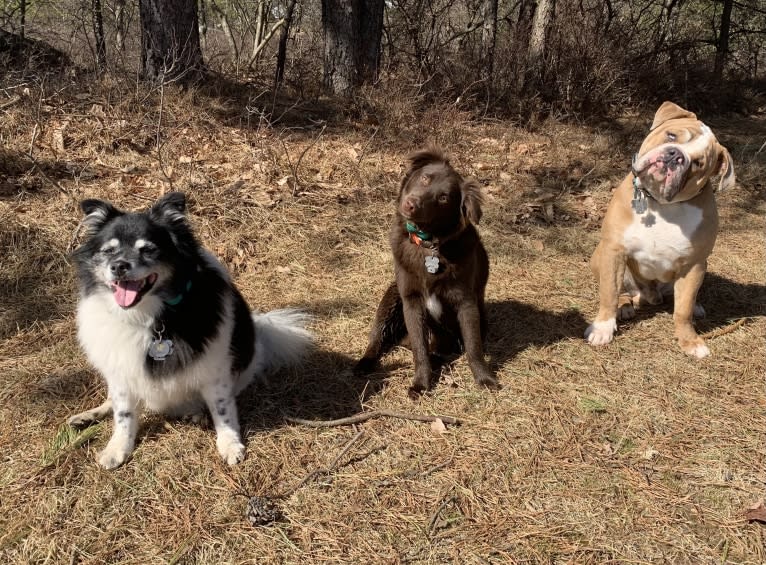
660	240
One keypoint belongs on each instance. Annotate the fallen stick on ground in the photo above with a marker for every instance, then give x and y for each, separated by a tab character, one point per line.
364	416
724	330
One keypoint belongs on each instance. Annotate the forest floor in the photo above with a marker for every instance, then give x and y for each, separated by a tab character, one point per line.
629	453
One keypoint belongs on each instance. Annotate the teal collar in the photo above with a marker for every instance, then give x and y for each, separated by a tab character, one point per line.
413	229
175	301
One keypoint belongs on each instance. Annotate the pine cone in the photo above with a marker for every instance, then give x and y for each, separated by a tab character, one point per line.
262	511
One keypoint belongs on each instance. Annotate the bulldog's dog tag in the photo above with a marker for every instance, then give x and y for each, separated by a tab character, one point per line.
432	264
639	202
160	349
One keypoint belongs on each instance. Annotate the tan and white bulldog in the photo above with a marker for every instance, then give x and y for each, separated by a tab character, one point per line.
660	227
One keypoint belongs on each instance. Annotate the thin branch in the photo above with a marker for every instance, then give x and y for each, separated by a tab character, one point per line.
329	469
364	416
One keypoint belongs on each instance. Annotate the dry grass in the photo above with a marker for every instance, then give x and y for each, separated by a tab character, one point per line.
630	453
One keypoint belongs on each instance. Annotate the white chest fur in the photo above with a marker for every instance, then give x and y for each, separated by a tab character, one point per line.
660	239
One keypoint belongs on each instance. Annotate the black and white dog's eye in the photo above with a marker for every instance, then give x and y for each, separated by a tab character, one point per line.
671	136
108	250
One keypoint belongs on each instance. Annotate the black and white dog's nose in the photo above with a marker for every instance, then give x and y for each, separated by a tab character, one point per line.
119	268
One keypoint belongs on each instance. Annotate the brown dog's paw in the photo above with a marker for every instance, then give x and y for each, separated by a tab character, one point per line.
488	382
415	392
364	366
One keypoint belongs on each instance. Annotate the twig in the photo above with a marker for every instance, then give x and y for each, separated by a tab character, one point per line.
364	416
36	165
724	330
9	103
330	468
435	516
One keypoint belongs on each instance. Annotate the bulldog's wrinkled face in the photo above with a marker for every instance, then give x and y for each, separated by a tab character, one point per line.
679	156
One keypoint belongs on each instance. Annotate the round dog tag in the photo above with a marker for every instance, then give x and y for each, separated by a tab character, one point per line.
432	264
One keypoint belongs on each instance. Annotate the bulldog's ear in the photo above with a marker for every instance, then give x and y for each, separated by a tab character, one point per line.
725	169
670	111
97	214
471	200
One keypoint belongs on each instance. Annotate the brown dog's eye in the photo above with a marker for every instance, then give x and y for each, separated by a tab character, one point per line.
671	136
443	199
697	163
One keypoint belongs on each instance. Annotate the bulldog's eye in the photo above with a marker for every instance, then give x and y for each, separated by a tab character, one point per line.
697	163
443	199
671	136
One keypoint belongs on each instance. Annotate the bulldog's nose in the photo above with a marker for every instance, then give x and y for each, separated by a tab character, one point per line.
674	155
119	268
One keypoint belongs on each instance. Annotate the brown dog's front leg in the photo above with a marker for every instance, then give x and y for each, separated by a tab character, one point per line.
469	318
387	330
684	296
414	318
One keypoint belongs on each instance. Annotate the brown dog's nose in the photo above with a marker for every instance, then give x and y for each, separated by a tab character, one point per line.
409	204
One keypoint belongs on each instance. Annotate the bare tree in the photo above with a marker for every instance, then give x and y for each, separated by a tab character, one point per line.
98	35
722	45
488	37
537	38
283	37
352	33
170	47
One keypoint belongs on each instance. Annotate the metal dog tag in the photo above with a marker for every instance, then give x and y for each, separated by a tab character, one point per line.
160	349
640	202
432	264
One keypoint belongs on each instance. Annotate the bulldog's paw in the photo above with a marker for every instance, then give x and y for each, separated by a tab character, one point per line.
699	311
231	449
113	456
695	348
601	333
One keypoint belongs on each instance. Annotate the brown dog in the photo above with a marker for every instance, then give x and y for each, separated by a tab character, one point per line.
441	268
661	226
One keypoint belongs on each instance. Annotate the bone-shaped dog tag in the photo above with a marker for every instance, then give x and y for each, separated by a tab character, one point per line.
432	264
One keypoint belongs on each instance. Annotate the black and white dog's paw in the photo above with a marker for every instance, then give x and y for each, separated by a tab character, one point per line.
113	456
231	449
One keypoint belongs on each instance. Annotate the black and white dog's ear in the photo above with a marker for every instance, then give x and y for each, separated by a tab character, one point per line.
170	208
472	200
97	213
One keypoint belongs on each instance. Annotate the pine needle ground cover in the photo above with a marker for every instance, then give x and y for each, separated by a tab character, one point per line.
630	453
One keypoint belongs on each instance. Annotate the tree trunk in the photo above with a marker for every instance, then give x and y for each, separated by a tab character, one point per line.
227	31
98	35
352	32
488	36
284	35
22	18
370	33
119	23
722	45
170	48
536	51
202	17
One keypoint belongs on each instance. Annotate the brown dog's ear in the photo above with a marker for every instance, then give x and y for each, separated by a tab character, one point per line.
725	169
426	156
472	200
670	111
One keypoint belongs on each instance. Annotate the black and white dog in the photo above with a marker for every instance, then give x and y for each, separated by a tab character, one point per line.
162	321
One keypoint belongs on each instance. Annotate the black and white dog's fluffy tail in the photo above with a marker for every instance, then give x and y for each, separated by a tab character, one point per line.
281	339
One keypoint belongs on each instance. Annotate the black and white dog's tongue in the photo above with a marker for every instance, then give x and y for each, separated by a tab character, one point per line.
126	292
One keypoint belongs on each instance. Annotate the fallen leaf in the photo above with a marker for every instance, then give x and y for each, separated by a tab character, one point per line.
650	453
283	270
538	245
438	426
184	159
756	512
